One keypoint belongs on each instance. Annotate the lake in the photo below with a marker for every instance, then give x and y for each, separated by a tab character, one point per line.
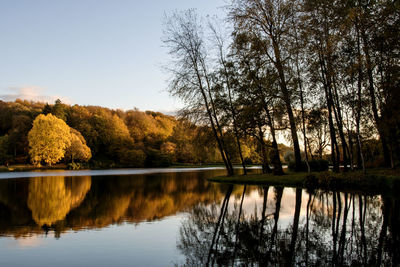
167	217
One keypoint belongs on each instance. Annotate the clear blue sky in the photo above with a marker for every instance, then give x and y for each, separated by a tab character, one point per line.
90	52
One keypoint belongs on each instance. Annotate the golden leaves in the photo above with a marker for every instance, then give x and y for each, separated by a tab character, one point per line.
51	138
48	139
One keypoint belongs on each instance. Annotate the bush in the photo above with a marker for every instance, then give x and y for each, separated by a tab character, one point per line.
292	166
316	165
101	163
77	166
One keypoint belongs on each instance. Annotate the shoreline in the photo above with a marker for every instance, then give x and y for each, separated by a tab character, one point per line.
64	167
107	172
376	181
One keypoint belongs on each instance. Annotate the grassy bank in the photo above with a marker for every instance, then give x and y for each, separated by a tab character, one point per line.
375	181
207	165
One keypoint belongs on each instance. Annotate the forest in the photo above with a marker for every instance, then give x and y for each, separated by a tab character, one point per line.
323	74
115	138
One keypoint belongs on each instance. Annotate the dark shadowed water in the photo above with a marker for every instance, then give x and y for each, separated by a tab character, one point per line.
176	217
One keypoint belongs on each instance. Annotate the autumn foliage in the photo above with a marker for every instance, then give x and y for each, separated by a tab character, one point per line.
49	134
48	139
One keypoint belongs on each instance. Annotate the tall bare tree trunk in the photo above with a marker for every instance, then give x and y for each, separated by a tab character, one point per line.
265	163
218	126
213	127
232	109
275	150
287	100
360	154
328	97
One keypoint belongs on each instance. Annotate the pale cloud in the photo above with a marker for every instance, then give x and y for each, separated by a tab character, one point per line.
31	93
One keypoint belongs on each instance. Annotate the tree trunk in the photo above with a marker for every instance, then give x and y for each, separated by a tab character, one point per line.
233	113
217	138
371	90
276	161
339	122
218	127
265	164
360	155
286	98
330	117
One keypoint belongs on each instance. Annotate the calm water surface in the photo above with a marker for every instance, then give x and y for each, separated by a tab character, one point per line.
176	217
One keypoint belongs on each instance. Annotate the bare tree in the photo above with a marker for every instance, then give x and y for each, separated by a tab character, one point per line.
191	81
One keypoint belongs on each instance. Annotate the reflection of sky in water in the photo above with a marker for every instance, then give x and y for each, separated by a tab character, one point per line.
145	244
254	200
26	242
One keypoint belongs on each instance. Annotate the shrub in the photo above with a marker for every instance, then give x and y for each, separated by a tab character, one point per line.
292	166
101	163
77	166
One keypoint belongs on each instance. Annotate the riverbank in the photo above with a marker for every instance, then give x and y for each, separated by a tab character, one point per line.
374	182
28	167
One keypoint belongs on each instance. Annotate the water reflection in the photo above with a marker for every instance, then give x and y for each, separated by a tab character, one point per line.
39	205
325	228
51	198
222	225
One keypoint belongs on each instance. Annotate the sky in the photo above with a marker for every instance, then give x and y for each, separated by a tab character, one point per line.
89	52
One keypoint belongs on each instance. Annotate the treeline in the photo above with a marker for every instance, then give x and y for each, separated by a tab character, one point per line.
116	138
325	74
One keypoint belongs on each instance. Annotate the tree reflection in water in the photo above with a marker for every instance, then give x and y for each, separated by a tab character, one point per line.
331	228
37	205
51	198
223	227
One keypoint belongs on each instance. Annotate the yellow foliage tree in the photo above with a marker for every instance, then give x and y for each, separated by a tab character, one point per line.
78	150
48	139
